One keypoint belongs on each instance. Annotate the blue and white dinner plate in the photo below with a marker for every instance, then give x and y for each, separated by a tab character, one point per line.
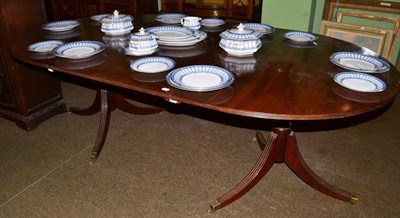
171	18
212	22
359	62
152	64
98	17
79	49
258	27
44	47
60	26
360	82
200	78
172	33
300	37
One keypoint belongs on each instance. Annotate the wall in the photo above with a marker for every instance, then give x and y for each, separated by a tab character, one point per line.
306	15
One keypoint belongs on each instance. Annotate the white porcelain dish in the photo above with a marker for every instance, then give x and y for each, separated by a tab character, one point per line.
258	27
359	62
360	82
152	64
200	78
212	22
79	49
171	33
44	47
132	52
300	37
197	37
240	41
98	17
61	26
171	18
117	24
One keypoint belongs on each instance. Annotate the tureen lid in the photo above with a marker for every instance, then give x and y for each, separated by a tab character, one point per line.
141	35
240	34
116	17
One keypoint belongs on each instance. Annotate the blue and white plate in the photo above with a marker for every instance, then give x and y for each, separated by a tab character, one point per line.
200	78
60	26
171	33
44	47
360	82
258	27
79	49
172	18
212	22
300	37
152	64
359	62
98	17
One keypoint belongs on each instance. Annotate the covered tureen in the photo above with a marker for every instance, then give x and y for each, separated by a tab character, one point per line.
116	24
240	41
142	43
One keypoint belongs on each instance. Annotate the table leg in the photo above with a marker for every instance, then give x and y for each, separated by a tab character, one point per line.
105	102
280	147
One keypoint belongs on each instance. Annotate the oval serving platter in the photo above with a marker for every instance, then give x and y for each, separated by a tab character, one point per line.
360	82
44	47
60	26
258	27
152	64
300	37
359	62
79	49
200	78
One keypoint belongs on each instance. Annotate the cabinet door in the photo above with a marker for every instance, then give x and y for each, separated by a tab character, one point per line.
66	9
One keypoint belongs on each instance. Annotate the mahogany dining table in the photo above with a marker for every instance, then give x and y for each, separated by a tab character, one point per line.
283	82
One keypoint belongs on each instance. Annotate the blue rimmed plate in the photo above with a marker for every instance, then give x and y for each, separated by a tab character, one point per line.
300	37
360	82
152	64
98	17
79	49
171	33
171	18
212	22
200	78
60	26
258	27
44	47
359	62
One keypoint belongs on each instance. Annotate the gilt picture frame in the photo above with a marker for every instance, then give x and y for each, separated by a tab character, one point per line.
375	39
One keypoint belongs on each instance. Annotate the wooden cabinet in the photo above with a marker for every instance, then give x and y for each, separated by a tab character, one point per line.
74	9
27	96
227	9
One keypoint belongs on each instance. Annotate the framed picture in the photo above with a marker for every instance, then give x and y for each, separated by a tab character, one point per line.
394	21
377	40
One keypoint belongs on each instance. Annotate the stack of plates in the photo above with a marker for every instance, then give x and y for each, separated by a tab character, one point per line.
173	18
258	27
176	36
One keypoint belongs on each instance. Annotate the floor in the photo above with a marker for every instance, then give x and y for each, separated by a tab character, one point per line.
175	164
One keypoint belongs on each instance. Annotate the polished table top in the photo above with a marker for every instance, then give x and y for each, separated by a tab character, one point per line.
282	80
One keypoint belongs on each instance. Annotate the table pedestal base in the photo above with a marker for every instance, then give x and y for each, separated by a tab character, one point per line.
280	147
105	102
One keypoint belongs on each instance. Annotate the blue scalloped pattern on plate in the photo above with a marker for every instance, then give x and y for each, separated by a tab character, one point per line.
299	36
142	64
44	46
359	62
259	27
171	15
360	82
173	29
89	48
58	26
212	22
176	78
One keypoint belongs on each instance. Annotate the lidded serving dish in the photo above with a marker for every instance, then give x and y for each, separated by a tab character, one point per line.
116	24
240	41
142	43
